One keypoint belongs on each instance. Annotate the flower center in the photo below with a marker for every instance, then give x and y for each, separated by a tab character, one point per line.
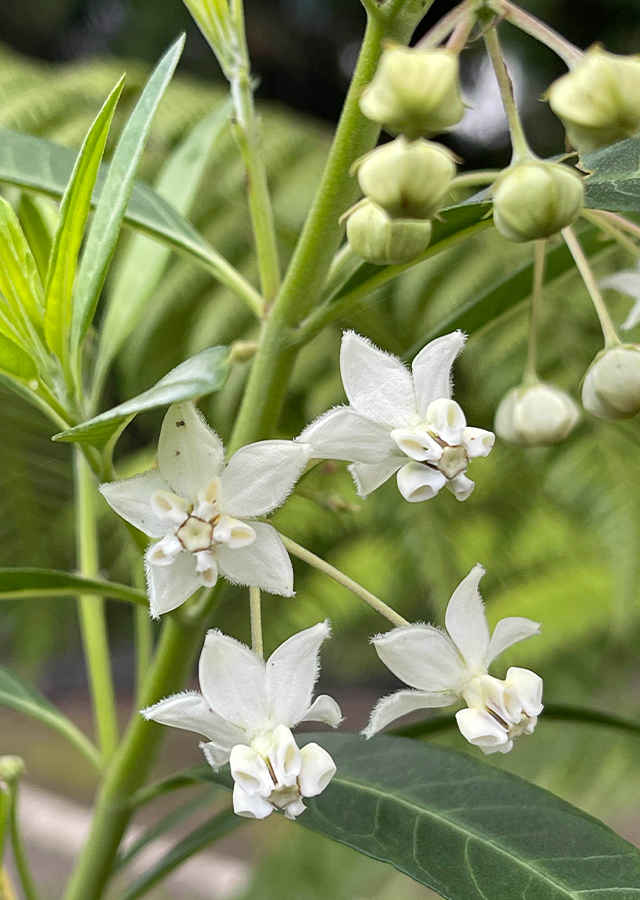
195	534
453	461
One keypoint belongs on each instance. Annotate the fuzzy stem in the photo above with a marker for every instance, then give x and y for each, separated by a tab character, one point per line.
92	611
568	52
256	621
611	338
327	569
521	149
539	262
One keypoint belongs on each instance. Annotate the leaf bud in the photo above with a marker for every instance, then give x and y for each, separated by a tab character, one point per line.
611	388
536	415
599	100
408	179
384	241
534	199
414	92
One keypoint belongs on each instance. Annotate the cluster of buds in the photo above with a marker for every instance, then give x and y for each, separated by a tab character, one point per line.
415	93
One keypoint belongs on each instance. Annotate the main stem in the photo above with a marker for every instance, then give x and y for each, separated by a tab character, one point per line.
91	609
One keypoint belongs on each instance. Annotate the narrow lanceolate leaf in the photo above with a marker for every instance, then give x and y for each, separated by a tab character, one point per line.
74	210
38	220
615	180
201	374
15	361
115	194
21	696
25	584
463	828
144	261
19	279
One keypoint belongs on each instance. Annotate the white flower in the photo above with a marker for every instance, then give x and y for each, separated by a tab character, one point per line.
246	711
400	421
627	282
445	668
197	506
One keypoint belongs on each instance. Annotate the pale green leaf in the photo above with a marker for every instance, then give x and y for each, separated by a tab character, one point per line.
615	180
39	220
115	193
19	280
15	361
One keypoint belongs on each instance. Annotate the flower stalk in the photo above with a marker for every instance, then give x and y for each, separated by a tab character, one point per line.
521	149
609	332
539	264
255	610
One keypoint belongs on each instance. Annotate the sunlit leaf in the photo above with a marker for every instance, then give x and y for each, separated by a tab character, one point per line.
15	361
38	221
19	280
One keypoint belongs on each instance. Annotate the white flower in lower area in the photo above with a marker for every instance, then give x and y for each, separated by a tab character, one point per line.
400	422
246	711
197	506
627	282
443	669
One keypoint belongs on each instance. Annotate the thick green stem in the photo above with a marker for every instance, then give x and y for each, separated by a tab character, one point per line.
143	629
93	623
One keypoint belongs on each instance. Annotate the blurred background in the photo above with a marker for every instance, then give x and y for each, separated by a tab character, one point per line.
558	530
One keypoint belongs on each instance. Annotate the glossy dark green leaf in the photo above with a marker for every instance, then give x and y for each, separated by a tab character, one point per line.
21	696
25	584
201	374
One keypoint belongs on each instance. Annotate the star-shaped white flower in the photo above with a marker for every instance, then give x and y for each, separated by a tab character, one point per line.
197	506
444	668
246	711
400	422
627	282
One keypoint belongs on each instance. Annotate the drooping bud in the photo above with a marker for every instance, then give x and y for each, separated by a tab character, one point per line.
408	179
384	241
536	199
414	92
536	415
599	100
611	388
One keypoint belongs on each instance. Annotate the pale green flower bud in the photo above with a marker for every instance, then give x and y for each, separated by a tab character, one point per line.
611	388
536	415
599	100
11	768
414	92
408	179
536	199
385	241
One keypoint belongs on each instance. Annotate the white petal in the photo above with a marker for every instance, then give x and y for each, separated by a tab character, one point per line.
528	688
190	454
251	807
292	671
417	482
294	809
477	441
232	680
265	563
368	477
393	707
165	551
234	533
170	507
377	384
432	369
344	433
131	499
422	657
324	709
466	622
190	712
627	282
415	444
284	756
633	318
446	419
214	755
260	476
460	486
249	771
509	631
207	568
169	586
318	768
480	728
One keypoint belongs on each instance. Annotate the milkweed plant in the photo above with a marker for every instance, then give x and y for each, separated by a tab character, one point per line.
199	516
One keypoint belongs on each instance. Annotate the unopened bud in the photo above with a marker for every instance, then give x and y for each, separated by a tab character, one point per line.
611	388
385	241
11	768
414	92
408	179
536	415
599	100
536	199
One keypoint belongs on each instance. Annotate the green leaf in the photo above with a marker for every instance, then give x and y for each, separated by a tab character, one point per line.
144	261
201	374
615	182
19	280
15	361
74	211
463	828
200	838
115	194
21	696
24	584
38	221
